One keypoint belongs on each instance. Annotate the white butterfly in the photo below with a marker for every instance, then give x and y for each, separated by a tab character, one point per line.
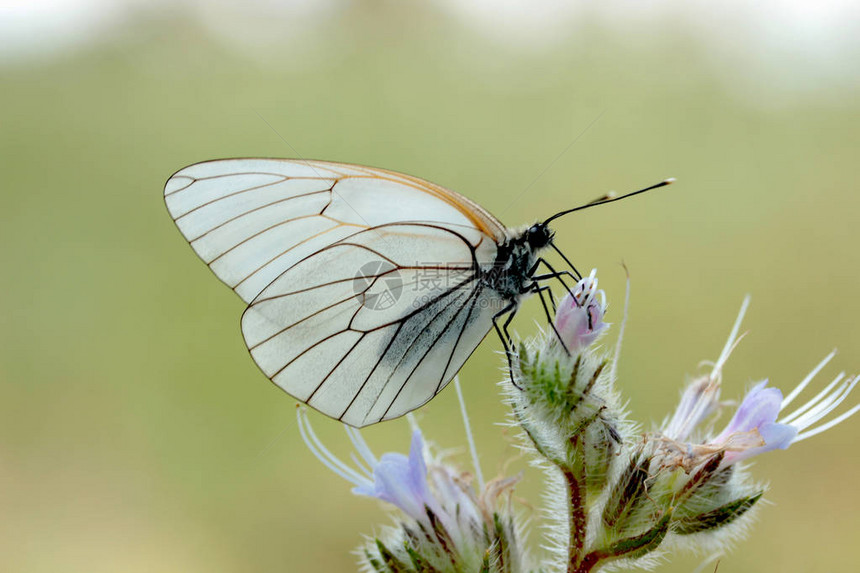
367	289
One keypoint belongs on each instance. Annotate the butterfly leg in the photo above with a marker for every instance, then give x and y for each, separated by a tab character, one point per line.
510	310
538	278
577	274
552	302
553	274
540	289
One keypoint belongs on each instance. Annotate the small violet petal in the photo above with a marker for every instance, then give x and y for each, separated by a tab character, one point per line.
579	326
776	437
759	407
402	481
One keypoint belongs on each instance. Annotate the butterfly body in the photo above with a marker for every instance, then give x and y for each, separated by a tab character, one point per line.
512	271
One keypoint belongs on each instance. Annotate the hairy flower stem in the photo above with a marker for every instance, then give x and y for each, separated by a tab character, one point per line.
587	564
576	539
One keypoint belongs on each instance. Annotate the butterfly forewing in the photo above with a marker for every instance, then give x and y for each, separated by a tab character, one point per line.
363	284
251	219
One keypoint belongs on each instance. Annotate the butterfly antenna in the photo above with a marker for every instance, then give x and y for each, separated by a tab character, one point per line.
609	198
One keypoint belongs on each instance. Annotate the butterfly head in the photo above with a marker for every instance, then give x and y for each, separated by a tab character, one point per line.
539	236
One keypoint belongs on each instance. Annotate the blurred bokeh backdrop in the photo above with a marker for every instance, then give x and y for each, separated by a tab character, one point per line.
135	432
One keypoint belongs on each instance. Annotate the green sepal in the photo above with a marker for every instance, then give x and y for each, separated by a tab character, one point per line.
708	483
628	493
377	565
485	562
441	534
503	555
630	547
393	564
594	376
718	517
419	564
703	475
572	395
643	543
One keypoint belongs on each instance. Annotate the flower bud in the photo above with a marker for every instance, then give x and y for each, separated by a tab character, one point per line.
579	318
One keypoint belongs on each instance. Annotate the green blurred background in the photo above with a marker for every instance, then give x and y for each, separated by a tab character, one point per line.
135	432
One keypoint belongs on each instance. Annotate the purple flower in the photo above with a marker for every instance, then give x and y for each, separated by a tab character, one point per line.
699	400
760	409
579	317
702	396
393	478
402	481
754	428
418	486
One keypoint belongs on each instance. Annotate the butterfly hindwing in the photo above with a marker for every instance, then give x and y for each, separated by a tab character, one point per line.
365	329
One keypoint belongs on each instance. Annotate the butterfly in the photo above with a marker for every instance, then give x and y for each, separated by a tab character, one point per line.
367	289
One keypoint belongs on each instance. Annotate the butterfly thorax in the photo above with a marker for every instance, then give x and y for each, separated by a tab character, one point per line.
512	271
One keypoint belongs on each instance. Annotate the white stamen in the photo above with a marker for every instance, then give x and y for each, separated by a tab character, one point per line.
469	438
361	446
705	403
322	453
818	397
706	389
828	425
730	343
788	399
361	467
586	289
413	422
825	406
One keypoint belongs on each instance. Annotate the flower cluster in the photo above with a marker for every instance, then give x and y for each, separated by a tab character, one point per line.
445	524
756	426
615	495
